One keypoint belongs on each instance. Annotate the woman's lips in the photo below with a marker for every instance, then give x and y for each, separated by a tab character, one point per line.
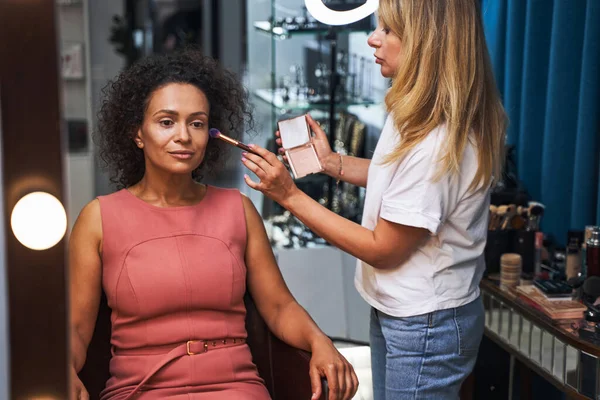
182	155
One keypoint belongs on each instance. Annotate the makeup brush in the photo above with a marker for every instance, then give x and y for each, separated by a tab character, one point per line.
500	213
216	134
511	211
536	211
492	217
520	219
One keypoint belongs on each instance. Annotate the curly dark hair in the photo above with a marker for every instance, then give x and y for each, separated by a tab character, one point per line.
126	98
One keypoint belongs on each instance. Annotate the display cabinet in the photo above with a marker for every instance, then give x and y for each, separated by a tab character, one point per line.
297	65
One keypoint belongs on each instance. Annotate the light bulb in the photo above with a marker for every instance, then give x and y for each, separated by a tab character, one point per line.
326	15
38	221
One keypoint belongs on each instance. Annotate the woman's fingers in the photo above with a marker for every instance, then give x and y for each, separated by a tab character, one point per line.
355	383
251	183
253	165
265	154
333	381
315	127
315	381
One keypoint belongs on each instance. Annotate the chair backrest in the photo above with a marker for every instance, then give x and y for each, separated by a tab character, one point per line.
260	340
95	373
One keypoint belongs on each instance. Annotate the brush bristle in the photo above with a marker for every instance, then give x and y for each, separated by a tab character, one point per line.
214	133
536	210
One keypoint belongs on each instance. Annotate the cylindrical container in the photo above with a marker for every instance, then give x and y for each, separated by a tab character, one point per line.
539	245
498	243
510	270
593	253
525	247
587	233
573	262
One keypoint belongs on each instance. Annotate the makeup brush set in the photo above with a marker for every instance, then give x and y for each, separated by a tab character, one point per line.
515	229
516	217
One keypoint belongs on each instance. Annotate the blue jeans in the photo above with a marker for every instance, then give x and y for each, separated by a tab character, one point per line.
426	356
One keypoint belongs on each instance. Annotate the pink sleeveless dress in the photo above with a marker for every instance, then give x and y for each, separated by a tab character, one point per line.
175	279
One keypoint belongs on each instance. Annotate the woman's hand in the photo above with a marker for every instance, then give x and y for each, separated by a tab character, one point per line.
326	361
275	180
78	391
320	141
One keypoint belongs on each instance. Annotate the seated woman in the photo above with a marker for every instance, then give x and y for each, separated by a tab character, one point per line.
174	256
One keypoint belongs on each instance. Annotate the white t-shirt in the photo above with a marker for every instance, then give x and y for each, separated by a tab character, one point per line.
446	270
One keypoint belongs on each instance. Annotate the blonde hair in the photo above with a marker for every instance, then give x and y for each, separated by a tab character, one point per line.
445	77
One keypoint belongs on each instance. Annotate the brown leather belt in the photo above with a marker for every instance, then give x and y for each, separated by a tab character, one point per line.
192	347
189	348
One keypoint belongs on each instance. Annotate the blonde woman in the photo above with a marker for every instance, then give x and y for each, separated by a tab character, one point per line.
420	246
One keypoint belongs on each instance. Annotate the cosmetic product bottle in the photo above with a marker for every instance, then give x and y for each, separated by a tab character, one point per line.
573	265
593	253
539	245
587	233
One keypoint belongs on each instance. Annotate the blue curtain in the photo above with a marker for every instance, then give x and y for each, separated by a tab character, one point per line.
546	58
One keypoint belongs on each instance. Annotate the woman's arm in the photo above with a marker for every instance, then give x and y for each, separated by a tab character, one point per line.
285	317
355	169
85	275
387	246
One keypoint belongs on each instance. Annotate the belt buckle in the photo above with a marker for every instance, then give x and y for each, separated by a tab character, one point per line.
190	342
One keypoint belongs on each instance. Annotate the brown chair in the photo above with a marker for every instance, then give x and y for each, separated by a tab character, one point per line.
284	368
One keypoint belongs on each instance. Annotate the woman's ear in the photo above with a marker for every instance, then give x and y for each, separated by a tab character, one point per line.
138	139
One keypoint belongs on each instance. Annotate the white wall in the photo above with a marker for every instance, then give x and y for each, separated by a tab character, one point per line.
4	348
322	281
79	171
314	278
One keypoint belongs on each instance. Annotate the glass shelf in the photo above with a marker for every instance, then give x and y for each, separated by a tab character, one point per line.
276	100
282	33
69	2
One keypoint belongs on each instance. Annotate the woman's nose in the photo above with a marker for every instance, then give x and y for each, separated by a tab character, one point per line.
182	134
373	40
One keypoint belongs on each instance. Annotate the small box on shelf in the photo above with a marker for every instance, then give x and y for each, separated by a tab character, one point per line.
69	2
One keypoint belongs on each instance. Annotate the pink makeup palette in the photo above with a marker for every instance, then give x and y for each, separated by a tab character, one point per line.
296	140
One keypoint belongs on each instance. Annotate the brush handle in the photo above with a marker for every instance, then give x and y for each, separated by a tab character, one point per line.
245	148
234	142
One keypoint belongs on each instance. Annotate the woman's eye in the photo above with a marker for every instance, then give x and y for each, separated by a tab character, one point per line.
385	30
166	122
198	124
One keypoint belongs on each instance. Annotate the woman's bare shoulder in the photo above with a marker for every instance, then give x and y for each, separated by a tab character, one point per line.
89	221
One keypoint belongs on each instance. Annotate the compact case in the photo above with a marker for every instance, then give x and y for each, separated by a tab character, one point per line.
296	140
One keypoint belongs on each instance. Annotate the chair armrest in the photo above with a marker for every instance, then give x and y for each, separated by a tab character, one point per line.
290	368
